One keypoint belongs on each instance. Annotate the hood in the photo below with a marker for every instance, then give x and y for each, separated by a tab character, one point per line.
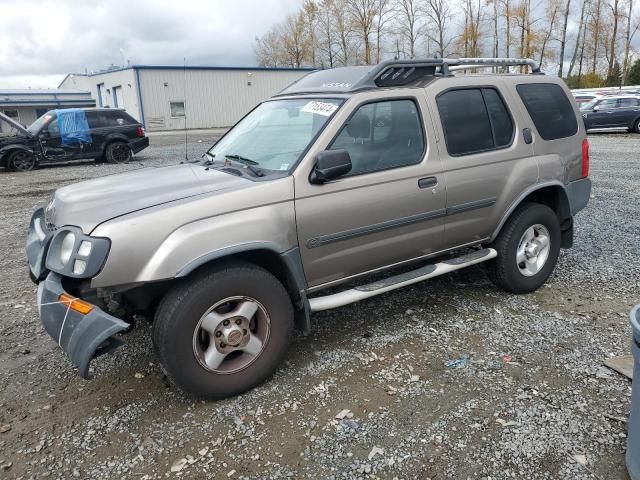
14	124
89	203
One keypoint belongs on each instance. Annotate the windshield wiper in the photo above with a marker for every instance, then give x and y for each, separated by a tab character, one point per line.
249	164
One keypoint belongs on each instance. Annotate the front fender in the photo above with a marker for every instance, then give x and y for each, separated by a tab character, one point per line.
10	148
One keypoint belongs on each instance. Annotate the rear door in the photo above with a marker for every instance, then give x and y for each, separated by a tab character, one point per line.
626	111
486	154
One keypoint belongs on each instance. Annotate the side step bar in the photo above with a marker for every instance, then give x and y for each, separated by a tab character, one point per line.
402	280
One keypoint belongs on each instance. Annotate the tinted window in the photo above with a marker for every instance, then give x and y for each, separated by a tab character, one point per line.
627	102
500	118
607	104
550	110
382	135
474	120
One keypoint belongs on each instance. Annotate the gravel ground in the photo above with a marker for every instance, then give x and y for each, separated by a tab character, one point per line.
446	379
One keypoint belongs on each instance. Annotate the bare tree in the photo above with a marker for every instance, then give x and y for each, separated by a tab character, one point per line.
563	38
363	13
579	44
615	14
507	12
553	8
439	13
596	25
326	34
408	19
628	38
383	16
344	31
310	14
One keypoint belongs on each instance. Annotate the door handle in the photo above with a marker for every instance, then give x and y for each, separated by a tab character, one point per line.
427	182
526	134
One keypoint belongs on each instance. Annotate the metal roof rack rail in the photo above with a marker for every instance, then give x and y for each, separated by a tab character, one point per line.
402	72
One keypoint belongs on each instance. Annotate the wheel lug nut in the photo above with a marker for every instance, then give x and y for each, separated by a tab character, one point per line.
244	331
218	334
238	321
225	322
222	345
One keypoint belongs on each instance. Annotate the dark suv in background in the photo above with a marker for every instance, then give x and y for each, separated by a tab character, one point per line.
612	112
114	136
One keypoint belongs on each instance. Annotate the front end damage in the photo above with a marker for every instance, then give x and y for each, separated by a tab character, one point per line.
82	329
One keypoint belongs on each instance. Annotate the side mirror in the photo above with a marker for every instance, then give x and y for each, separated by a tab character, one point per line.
596	108
330	164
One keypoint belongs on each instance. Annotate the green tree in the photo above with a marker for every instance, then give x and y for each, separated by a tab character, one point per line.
633	77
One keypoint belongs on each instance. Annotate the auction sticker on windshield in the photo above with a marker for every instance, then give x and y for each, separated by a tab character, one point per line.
320	108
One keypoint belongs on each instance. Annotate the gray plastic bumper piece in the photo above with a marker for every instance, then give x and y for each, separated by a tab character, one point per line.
83	337
633	439
37	243
579	192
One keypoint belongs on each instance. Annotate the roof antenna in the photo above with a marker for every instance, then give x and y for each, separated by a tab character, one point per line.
184	109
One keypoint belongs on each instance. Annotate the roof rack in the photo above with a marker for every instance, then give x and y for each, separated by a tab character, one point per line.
403	72
395	73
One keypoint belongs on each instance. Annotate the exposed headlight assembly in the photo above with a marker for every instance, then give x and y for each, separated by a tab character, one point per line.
74	254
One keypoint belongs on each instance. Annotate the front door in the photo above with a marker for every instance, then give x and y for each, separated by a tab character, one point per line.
605	115
485	157
52	147
389	208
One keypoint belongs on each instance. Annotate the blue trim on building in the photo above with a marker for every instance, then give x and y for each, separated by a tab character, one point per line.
87	102
53	92
193	67
139	88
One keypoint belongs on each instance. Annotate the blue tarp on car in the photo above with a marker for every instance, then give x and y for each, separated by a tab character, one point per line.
73	125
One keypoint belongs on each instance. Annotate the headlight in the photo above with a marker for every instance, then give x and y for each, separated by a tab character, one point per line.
74	254
66	247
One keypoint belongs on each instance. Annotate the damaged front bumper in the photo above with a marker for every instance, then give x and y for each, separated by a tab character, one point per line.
83	336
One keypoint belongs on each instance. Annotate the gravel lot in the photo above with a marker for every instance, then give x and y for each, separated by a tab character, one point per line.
369	393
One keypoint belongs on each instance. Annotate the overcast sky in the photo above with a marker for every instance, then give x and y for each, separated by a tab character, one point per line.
41	41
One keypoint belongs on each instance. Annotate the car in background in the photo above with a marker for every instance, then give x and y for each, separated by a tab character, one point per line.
622	111
113	136
582	98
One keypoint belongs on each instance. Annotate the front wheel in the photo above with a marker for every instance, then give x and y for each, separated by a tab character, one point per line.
224	331
118	152
528	247
636	126
22	161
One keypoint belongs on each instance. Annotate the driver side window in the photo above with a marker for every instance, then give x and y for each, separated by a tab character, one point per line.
382	135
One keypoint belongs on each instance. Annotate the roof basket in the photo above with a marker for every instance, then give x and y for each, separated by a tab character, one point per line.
405	72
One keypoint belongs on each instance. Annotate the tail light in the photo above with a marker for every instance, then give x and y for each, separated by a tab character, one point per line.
140	133
585	158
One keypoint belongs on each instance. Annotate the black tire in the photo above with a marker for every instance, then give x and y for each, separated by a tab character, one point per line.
636	126
118	152
22	161
504	270
179	315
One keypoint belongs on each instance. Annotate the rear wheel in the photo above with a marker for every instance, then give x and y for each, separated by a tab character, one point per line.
636	126
528	247
118	152
22	161
224	331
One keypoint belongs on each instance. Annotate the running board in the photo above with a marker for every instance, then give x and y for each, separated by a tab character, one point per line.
402	280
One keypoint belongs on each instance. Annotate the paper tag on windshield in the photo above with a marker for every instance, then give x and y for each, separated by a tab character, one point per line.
320	108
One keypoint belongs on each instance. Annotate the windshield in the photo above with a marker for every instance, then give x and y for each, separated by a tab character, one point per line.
276	133
39	123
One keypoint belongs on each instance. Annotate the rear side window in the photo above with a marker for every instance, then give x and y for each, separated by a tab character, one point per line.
550	110
474	120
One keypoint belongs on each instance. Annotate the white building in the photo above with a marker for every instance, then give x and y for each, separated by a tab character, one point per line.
25	106
170	98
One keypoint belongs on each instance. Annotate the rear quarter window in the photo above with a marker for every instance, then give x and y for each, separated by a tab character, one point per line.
550	109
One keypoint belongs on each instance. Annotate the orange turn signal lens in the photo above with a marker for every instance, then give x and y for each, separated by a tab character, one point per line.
75	304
